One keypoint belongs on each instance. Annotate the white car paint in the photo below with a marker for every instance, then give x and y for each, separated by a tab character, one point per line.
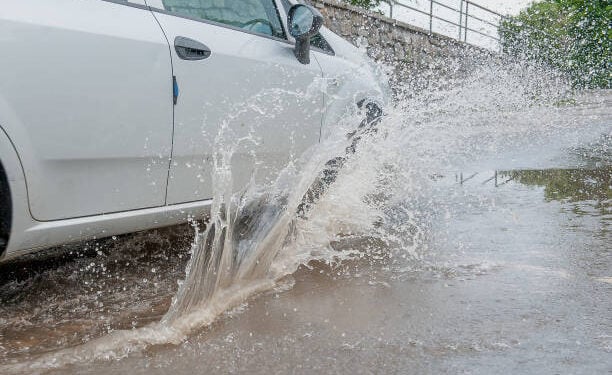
352	80
84	96
225	89
86	113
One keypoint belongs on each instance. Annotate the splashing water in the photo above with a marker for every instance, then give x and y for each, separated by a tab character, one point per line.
384	193
257	237
234	256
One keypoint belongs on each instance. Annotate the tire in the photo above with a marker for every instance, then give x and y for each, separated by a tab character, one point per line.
373	115
5	211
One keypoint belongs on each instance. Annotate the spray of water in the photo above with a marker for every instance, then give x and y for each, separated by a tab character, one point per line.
384	193
234	256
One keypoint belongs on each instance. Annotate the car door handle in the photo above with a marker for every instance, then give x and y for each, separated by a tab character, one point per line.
189	49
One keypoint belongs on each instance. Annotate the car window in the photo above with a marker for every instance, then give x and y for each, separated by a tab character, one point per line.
316	41
259	16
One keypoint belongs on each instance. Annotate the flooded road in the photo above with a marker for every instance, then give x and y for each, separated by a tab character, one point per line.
493	260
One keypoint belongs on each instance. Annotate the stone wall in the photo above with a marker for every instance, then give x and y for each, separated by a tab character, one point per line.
420	60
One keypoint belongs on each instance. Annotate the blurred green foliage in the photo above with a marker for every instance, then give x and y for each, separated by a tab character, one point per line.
568	184
574	36
367	4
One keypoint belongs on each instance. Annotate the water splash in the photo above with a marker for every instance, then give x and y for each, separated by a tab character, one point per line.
255	238
384	193
247	230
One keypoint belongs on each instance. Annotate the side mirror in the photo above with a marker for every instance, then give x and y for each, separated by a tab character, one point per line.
304	22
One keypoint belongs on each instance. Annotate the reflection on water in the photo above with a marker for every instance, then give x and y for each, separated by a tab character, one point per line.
111	301
588	189
571	185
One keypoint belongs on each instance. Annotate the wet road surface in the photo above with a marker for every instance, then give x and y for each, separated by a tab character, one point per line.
520	285
514	275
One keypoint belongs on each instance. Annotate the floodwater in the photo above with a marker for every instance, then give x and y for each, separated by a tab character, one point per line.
467	236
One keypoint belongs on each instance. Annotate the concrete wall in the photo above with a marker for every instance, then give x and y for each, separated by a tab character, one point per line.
419	60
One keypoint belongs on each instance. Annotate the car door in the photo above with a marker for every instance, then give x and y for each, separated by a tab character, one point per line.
86	97
242	91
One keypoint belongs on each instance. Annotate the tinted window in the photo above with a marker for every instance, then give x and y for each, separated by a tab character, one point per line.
316	41
259	16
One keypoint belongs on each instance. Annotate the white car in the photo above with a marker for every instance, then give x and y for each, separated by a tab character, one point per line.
109	109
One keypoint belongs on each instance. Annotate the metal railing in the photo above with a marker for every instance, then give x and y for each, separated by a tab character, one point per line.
469	17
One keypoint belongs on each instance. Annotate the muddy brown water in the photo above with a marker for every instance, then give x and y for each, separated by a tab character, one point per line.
514	276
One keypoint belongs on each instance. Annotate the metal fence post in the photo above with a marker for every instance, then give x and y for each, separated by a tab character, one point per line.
460	17
467	15
430	17
464	16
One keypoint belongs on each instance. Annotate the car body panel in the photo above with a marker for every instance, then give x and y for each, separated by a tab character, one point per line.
99	77
18	191
268	141
350	79
251	89
28	235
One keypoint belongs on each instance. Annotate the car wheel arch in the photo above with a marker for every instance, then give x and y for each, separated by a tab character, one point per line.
13	190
